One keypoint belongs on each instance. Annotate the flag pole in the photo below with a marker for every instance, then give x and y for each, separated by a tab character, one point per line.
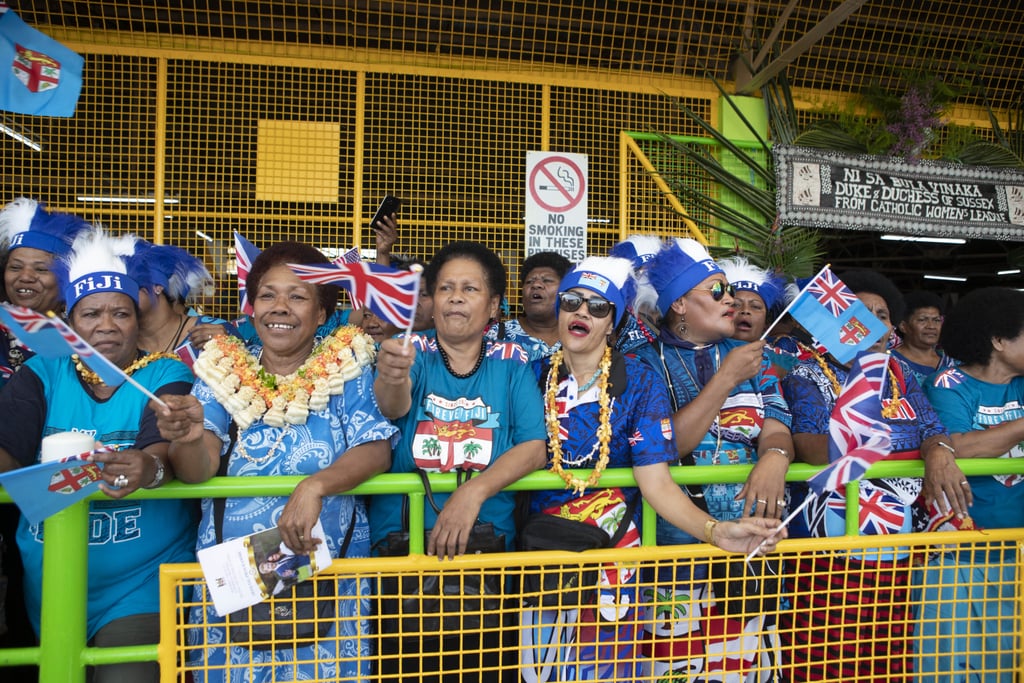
67	329
812	494
418	269
795	299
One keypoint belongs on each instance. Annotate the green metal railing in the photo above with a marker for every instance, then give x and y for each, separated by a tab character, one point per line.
63	654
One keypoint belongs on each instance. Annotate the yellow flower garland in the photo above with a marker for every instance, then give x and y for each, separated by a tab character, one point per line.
248	392
889	411
90	377
604	429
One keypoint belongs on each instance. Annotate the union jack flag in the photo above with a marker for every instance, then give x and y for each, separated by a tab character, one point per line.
830	291
245	253
51	337
949	379
881	514
857	435
391	294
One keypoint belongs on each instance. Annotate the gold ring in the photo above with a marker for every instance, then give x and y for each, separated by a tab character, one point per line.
780	502
762	501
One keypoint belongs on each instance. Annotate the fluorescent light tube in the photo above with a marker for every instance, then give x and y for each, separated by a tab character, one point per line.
933	240
125	200
951	278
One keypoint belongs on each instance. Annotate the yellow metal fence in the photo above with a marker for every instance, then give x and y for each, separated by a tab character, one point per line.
945	583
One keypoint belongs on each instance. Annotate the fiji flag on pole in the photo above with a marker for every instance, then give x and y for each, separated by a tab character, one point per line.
858	437
836	317
38	75
45	489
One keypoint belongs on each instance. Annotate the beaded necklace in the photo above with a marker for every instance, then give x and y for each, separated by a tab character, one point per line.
241	450
90	377
889	411
460	375
604	429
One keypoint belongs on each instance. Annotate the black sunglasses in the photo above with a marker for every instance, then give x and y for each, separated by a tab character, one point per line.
598	307
717	290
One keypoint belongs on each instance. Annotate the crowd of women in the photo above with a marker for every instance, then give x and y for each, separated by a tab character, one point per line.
650	357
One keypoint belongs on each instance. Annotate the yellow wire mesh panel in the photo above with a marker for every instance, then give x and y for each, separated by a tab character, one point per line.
292	119
834	609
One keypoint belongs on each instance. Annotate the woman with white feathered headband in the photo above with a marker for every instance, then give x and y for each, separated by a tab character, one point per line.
758	293
726	411
604	409
129	539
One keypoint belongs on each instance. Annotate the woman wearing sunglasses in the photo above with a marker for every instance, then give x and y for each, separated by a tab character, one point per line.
726	412
603	409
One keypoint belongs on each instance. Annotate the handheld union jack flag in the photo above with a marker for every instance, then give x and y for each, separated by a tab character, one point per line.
857	435
391	294
51	337
245	253
836	317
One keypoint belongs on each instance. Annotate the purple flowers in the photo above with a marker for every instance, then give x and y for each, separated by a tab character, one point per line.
916	122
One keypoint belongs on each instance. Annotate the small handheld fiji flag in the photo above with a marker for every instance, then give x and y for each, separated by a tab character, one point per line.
43	490
51	337
840	321
391	294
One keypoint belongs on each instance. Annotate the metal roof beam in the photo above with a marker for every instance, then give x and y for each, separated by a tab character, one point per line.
809	39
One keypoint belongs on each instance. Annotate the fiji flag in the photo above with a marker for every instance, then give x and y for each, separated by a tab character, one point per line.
45	489
391	294
51	337
38	75
836	317
857	435
245	253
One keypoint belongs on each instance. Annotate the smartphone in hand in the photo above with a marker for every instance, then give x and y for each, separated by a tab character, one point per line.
388	206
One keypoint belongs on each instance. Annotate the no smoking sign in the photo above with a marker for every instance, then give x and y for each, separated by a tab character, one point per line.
556	204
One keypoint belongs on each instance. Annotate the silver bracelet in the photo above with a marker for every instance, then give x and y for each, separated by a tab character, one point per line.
782	451
947	446
158	478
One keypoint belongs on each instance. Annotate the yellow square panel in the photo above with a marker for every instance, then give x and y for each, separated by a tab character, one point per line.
297	161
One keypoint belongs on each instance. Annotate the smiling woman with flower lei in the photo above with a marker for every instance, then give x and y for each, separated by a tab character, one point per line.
603	409
300	408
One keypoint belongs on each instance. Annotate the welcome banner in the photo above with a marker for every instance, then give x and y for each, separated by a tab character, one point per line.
822	189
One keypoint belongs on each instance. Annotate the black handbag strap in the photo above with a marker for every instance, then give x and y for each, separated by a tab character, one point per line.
626	519
219	504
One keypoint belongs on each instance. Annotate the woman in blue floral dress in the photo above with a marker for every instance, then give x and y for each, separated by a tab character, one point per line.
300	408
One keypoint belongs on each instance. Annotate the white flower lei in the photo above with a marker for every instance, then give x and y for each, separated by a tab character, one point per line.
248	392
